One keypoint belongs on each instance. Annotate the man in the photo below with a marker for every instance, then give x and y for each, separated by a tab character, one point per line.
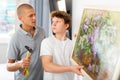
28	37
56	50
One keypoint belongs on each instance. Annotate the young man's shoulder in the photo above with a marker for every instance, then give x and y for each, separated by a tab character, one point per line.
49	40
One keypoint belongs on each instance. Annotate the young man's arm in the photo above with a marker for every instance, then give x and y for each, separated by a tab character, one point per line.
49	66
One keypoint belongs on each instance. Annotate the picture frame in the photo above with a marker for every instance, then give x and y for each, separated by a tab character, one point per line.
97	45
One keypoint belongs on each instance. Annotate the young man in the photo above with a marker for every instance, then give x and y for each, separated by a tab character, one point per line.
56	50
28	34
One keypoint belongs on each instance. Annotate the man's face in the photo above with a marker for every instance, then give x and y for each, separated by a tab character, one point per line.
28	17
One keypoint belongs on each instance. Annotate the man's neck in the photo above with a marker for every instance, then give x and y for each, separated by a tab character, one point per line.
28	29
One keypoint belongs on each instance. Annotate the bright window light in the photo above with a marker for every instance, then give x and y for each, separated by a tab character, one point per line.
61	5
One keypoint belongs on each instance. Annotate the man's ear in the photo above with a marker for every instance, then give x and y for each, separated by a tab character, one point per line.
20	17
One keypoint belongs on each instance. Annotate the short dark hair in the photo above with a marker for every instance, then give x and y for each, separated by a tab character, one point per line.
20	8
62	14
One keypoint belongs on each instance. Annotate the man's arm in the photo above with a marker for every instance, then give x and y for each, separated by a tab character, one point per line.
12	65
49	66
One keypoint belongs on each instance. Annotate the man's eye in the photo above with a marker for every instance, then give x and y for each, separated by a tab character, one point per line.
31	15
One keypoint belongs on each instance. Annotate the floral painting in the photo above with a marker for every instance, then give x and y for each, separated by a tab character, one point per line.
97	45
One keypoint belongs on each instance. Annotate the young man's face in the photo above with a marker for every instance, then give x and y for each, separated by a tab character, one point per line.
58	25
28	17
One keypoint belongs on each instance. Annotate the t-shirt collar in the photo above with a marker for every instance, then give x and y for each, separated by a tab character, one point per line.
23	31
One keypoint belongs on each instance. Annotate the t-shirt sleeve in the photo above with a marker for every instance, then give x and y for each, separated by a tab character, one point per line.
46	48
12	50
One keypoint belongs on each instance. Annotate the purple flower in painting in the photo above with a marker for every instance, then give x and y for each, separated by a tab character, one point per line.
98	17
95	33
86	24
85	27
90	38
97	69
90	67
93	50
87	21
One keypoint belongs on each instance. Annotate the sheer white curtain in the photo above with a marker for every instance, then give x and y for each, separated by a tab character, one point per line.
42	14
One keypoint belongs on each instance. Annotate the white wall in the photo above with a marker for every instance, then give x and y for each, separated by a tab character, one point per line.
79	5
3	50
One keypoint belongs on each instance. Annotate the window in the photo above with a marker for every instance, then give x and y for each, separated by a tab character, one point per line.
7	19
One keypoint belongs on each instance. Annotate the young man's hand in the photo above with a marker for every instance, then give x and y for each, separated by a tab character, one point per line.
76	69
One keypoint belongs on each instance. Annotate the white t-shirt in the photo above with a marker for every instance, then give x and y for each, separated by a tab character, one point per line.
61	52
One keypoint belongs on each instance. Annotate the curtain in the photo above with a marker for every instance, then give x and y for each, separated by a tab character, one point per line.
42	9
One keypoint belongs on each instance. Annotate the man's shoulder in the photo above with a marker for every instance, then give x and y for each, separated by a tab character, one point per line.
15	34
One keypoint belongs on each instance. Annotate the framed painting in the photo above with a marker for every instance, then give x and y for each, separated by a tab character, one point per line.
97	46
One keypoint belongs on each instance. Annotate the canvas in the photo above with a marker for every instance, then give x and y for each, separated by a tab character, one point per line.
97	46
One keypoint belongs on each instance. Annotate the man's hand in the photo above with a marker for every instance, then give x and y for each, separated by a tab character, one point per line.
24	63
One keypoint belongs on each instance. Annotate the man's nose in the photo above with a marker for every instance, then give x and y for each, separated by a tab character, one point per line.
34	17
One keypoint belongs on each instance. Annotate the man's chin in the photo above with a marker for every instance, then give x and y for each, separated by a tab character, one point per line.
34	25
